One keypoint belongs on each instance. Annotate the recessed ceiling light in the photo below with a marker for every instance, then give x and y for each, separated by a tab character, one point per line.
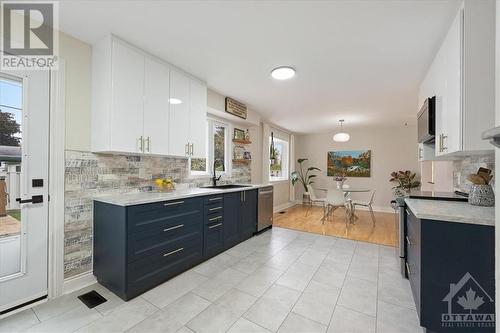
283	73
174	101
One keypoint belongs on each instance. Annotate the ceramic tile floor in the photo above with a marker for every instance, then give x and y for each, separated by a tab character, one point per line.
280	281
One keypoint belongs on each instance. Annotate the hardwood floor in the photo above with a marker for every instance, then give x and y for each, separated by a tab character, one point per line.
384	231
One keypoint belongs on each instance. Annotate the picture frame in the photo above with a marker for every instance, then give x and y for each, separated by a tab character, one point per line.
239	134
349	163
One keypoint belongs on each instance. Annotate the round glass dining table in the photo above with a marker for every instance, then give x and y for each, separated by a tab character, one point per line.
347	191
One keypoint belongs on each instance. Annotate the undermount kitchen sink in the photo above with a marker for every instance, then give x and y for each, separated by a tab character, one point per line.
225	187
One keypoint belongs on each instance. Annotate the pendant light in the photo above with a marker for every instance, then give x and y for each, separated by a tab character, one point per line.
341	136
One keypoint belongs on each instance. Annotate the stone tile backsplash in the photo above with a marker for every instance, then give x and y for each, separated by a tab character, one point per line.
468	165
88	175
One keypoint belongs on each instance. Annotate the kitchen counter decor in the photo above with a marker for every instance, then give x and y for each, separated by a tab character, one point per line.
481	193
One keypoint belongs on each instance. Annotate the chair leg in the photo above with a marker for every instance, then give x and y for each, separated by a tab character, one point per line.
373	215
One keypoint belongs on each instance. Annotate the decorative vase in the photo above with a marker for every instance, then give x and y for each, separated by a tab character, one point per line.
340	184
482	195
306	198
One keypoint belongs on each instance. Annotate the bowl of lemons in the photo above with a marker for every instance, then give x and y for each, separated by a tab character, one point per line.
165	184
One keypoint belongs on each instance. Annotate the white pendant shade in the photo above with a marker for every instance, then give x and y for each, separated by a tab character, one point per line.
341	137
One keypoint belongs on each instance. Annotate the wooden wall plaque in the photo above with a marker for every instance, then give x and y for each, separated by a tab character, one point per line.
236	108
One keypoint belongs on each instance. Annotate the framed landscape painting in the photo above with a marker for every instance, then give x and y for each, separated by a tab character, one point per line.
349	163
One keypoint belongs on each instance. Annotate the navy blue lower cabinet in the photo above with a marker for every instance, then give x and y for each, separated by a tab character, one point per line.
138	247
232	218
249	214
451	269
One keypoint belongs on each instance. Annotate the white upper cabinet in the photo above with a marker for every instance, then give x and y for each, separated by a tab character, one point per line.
179	113
198	122
156	107
462	79
141	104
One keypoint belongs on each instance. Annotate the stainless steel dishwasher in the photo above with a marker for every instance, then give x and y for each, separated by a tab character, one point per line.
265	207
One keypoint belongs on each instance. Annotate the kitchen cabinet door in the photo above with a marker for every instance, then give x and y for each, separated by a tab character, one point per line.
452	134
198	118
179	114
156	107
232	218
127	103
249	214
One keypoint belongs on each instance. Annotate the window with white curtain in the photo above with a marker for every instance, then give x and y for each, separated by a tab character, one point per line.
279	158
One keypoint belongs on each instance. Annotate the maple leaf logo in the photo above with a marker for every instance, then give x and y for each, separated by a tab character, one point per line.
470	301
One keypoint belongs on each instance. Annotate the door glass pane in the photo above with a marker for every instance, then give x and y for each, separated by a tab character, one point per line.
11	93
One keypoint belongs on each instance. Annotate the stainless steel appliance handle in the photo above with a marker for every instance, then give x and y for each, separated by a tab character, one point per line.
266	192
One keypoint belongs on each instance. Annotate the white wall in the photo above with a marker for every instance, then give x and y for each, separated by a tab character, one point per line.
392	149
77	57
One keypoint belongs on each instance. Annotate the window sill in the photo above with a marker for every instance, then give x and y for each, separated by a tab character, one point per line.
279	180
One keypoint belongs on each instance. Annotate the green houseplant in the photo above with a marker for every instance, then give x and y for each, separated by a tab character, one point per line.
305	177
406	181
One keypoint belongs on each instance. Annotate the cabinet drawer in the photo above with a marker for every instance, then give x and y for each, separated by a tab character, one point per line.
149	242
154	269
216	208
217	199
214	238
214	218
163	214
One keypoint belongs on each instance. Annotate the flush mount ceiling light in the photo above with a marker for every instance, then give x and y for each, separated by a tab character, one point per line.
174	101
341	136
283	73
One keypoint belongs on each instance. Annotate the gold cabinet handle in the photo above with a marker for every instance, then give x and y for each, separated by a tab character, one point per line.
173	252
174	203
148	142
140	144
186	149
215	218
191	149
444	147
215	226
174	227
215	208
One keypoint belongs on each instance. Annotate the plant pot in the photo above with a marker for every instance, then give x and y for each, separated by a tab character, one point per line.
482	195
306	198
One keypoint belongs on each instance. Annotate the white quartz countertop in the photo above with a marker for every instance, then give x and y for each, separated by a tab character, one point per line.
139	198
452	211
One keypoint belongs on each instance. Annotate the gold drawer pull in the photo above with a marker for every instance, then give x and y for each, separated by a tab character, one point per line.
213	199
215	208
174	227
215	218
215	226
174	203
173	252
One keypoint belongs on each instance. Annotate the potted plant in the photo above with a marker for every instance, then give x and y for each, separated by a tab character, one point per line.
406	181
304	177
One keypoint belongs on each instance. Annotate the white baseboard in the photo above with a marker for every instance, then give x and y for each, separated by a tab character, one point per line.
78	282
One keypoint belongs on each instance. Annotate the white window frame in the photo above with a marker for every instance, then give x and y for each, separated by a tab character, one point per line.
285	166
210	150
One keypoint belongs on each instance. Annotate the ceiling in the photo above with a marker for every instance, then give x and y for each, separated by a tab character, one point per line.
361	61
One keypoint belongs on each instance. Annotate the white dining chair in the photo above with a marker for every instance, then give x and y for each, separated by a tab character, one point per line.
335	198
367	204
315	199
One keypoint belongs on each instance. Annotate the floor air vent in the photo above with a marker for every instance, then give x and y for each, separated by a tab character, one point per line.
92	299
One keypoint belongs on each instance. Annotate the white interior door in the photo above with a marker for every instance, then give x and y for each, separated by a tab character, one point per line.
24	147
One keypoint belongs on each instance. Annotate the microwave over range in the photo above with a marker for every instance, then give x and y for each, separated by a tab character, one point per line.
427	121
